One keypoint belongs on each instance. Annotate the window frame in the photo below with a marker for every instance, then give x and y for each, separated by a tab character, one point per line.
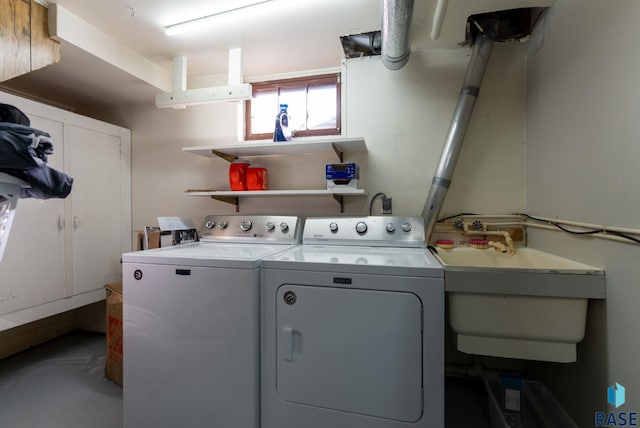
293	83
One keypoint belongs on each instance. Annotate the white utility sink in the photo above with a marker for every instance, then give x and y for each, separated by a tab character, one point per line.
528	305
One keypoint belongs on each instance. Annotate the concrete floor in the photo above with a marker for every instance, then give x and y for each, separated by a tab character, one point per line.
61	384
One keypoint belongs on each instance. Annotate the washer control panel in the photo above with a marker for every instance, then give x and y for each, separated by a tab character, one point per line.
243	228
379	231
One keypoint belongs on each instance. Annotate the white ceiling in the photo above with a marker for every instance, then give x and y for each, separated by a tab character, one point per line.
276	37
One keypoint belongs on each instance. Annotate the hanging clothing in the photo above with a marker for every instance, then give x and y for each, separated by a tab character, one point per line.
23	154
11	114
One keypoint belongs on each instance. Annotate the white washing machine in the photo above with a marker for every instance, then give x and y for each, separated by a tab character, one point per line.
352	328
191	325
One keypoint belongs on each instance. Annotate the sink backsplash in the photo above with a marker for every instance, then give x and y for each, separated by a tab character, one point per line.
453	229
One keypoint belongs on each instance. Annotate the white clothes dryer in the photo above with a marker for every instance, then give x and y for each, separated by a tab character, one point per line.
352	328
191	325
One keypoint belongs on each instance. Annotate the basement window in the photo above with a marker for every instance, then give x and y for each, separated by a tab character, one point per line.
313	106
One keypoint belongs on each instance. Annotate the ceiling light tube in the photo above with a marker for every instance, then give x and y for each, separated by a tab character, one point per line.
192	24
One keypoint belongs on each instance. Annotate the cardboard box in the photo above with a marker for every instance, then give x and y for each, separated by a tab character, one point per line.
113	364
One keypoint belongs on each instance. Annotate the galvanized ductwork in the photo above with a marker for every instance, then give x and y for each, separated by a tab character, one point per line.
396	24
457	129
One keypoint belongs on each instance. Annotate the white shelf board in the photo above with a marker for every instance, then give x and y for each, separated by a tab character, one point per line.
263	193
270	148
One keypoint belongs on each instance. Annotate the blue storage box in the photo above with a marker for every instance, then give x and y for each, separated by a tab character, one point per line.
342	175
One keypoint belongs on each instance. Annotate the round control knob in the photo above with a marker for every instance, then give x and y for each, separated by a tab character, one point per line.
223	224
391	228
245	225
270	226
284	227
333	226
361	227
406	227
209	224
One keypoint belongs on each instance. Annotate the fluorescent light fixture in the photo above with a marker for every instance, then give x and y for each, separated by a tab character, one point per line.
203	21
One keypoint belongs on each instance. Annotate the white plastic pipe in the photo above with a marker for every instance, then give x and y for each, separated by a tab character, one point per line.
585	225
438	18
234	76
594	235
179	80
179	77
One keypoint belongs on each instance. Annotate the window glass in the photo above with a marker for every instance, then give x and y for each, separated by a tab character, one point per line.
263	102
296	100
313	106
322	107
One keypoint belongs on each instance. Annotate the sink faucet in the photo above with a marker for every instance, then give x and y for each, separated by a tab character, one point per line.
498	246
507	247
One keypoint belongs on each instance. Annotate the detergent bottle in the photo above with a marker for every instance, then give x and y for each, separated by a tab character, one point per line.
282	131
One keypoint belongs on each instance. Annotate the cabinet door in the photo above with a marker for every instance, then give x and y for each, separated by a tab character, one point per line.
32	271
96	215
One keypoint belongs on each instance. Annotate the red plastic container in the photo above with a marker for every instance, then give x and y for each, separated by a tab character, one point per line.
238	174
256	177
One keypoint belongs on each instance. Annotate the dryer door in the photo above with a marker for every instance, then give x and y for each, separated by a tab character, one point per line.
351	350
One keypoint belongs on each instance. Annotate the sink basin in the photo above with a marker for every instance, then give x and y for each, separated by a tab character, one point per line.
529	305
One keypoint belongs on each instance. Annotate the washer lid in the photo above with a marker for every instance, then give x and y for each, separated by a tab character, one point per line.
206	254
372	260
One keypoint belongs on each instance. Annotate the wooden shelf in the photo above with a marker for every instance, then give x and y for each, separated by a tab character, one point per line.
232	197
309	145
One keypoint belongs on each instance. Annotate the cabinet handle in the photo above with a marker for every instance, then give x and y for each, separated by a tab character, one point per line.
76	223
60	223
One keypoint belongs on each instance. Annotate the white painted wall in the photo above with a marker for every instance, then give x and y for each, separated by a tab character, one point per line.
582	154
404	117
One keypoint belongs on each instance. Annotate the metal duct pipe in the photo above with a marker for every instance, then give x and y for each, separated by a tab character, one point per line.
461	117
396	23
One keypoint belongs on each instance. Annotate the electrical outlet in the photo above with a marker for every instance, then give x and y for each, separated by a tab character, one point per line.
386	206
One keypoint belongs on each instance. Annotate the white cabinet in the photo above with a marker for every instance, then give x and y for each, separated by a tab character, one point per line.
95	162
62	252
32	271
338	145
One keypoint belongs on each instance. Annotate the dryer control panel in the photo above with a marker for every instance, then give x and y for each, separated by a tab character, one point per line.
247	228
379	231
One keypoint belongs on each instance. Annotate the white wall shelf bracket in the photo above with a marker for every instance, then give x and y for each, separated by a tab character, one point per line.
180	96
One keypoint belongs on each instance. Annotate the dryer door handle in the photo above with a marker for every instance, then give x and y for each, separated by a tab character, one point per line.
288	343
